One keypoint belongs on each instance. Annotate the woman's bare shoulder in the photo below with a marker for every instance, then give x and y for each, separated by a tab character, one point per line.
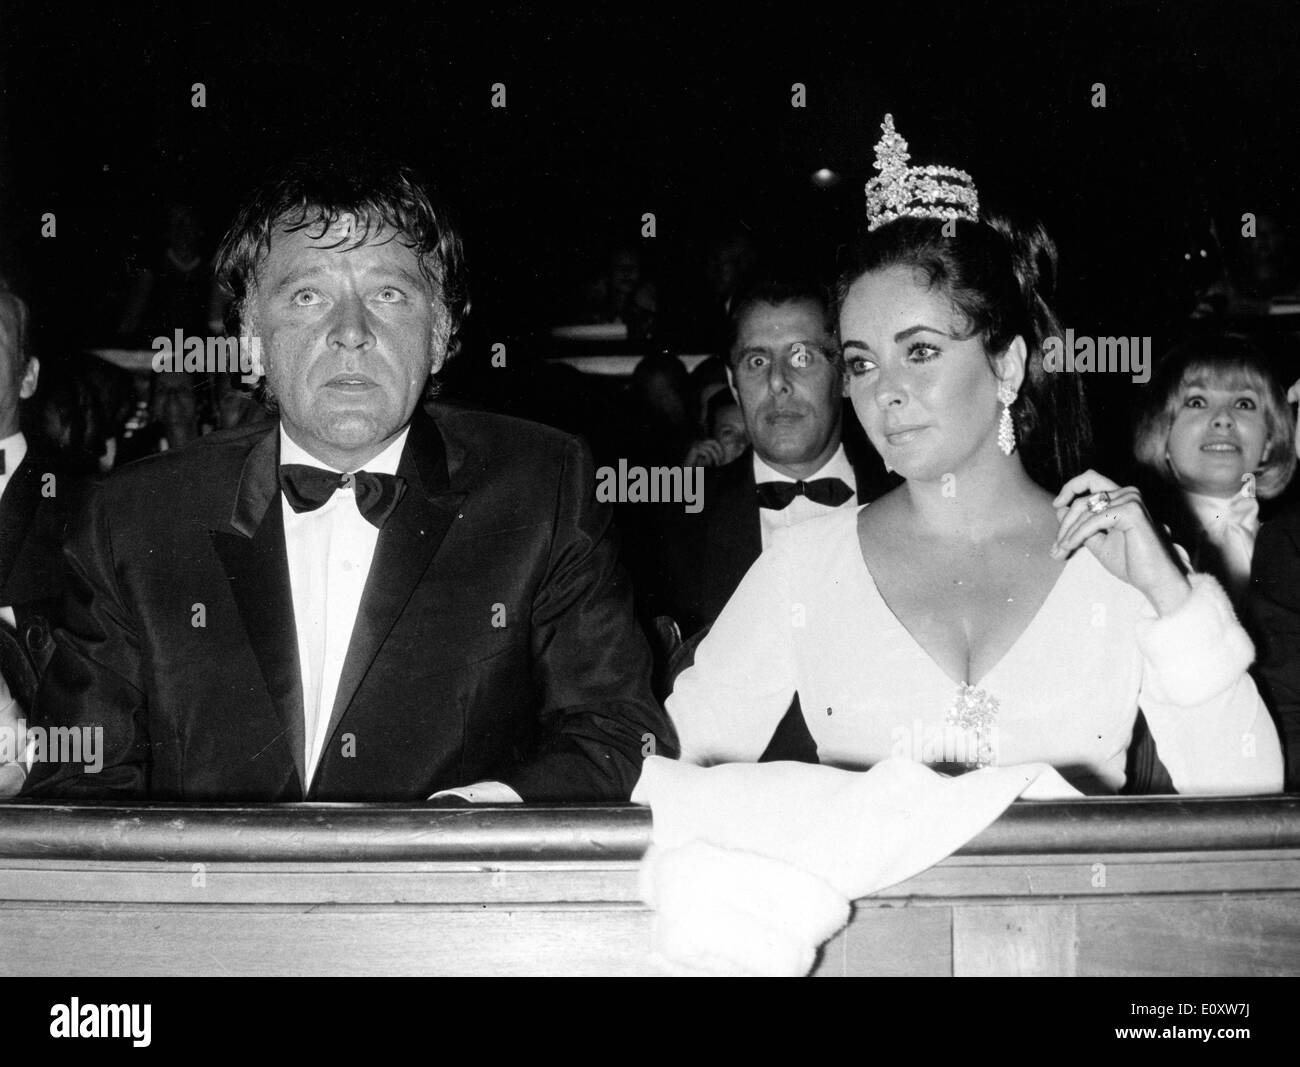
882	510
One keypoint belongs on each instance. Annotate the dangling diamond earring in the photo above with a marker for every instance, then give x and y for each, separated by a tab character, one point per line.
1006	431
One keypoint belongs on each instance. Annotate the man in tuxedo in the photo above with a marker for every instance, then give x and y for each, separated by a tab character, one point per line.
363	601
38	502
785	371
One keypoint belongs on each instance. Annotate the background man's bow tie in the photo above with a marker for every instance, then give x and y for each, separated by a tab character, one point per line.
829	491
308	488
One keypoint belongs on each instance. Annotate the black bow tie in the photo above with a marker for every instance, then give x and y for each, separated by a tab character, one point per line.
829	491
308	488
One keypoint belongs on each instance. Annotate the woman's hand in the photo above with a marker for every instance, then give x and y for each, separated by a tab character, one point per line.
1121	536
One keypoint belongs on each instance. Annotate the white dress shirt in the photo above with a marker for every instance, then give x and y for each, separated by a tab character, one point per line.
330	551
801	509
15	451
1230	525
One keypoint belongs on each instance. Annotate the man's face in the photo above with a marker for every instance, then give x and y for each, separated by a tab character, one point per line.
349	338
787	386
17	376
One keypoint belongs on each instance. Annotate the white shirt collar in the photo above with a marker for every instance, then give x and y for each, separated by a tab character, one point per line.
15	450
838	466
384	463
1240	509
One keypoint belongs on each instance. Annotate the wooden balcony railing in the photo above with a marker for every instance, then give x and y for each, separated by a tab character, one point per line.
1102	886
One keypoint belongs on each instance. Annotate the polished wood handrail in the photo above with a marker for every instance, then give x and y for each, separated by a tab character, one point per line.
379	833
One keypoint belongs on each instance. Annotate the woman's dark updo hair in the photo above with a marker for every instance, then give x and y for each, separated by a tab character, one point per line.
1001	276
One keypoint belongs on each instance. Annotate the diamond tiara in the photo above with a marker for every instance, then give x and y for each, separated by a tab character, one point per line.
900	191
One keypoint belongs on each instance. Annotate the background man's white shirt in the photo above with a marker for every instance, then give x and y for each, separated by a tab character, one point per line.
801	509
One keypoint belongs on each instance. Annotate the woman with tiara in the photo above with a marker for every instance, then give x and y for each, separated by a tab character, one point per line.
1002	605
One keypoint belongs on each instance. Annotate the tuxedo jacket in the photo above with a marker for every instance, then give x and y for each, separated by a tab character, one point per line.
37	510
1273	617
494	640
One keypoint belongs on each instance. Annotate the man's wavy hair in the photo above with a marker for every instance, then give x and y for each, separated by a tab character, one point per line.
380	194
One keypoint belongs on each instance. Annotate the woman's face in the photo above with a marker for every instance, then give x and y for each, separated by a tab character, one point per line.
926	395
1218	436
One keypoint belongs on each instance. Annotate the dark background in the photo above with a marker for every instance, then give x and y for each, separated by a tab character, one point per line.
622	110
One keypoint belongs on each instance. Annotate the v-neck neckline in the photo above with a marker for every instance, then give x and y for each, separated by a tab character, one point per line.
1012	648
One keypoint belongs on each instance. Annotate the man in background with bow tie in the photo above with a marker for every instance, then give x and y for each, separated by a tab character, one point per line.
785	371
361	602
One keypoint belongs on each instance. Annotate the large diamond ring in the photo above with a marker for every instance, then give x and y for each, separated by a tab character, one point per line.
1098	502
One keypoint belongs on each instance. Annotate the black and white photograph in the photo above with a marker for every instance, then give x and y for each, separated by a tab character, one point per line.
626	492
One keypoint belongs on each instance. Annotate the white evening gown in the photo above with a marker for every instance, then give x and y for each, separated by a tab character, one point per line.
808	618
